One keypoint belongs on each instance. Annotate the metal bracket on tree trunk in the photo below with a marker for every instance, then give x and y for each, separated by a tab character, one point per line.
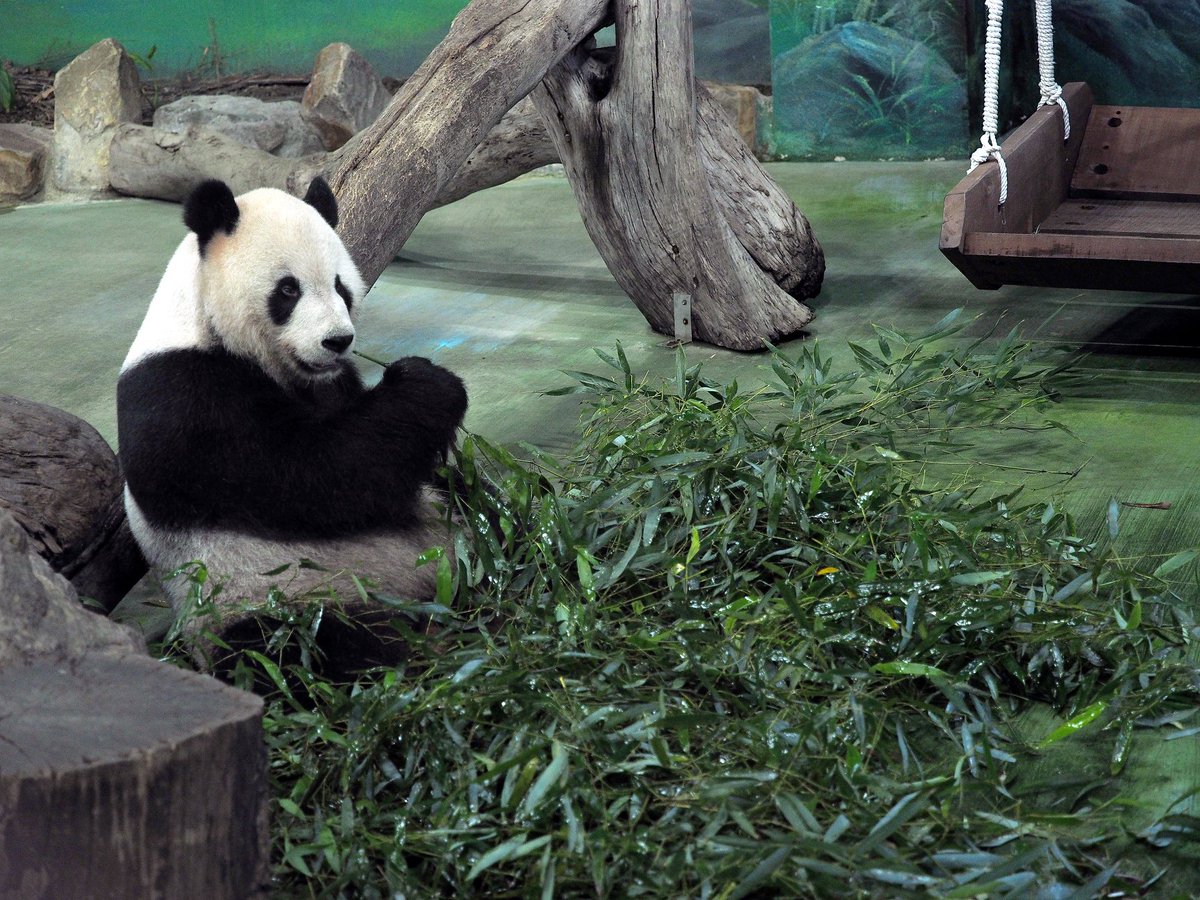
683	317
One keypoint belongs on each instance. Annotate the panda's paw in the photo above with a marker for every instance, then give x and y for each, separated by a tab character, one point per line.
434	385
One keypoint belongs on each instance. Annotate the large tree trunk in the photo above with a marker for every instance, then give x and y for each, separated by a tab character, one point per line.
673	199
496	51
624	122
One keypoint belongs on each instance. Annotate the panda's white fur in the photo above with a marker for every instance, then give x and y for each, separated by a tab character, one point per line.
247	437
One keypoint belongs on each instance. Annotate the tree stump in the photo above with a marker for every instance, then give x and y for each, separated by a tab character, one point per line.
127	777
120	776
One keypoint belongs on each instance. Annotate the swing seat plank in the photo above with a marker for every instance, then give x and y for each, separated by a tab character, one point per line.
1115	207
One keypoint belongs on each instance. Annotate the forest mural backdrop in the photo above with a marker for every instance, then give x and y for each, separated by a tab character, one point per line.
903	78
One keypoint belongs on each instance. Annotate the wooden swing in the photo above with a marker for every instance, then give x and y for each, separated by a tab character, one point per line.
1116	205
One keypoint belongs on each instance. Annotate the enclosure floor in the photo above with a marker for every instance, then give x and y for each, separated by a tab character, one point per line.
506	288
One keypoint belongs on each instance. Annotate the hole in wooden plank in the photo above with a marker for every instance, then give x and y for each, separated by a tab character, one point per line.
1114	122
1100	168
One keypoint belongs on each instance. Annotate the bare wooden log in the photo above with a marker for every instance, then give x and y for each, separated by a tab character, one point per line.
167	165
674	200
63	485
518	144
496	51
762	216
624	123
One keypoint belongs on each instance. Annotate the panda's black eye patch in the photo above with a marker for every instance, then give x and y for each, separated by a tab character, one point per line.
283	299
343	292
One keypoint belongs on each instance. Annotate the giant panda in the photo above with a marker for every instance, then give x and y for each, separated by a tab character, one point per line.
247	438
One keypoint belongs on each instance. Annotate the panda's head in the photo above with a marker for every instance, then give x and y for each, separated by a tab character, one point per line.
274	282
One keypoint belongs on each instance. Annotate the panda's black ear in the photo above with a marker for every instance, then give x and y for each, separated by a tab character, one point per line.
210	208
321	198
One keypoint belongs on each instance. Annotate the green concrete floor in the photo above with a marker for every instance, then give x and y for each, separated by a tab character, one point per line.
506	288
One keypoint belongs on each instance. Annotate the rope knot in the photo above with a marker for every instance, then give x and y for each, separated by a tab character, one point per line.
989	149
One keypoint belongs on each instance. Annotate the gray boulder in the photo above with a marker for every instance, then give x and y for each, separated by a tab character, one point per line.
344	96
23	153
93	94
273	127
863	90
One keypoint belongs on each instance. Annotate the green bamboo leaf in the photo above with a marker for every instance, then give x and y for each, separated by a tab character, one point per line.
908	668
1121	747
549	777
1074	587
971	579
466	670
902	810
1075	724
760	873
513	848
797	814
1178	561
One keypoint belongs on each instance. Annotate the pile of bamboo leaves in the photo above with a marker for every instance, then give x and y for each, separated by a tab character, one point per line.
747	642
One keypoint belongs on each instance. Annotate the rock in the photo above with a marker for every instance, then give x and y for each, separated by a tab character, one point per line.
95	93
276	128
863	90
742	104
732	40
62	484
23	152
344	96
40	613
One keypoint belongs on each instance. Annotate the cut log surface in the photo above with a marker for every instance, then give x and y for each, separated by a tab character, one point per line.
625	125
127	777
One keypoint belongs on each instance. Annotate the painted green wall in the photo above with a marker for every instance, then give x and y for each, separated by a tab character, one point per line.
731	36
395	35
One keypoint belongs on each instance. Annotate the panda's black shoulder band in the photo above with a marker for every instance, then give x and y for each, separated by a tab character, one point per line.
321	198
210	208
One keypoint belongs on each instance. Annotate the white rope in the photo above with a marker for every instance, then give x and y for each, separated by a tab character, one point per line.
1050	88
989	146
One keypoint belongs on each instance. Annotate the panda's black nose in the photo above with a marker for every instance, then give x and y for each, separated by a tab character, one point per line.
338	343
